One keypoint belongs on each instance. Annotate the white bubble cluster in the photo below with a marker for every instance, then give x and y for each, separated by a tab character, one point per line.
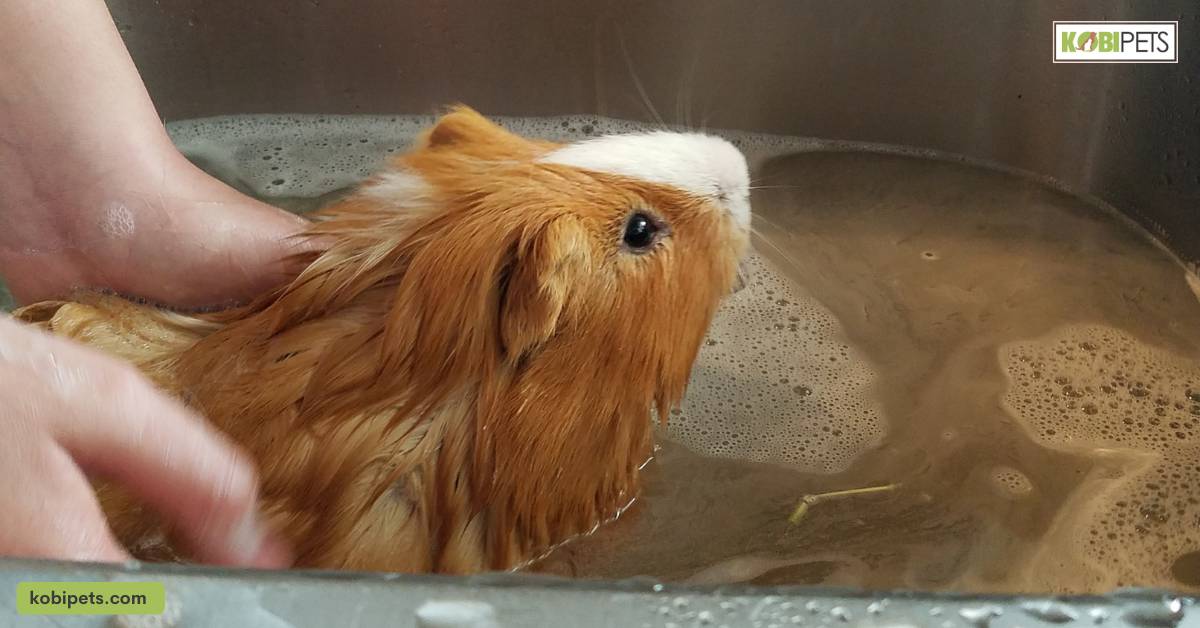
1097	389
775	382
1011	482
294	156
310	155
306	156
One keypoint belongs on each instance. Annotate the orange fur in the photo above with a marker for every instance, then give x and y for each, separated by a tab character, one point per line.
460	379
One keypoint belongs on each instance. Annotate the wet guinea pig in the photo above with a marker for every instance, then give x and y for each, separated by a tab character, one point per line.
465	374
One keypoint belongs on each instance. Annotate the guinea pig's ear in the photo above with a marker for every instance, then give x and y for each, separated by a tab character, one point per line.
460	125
546	264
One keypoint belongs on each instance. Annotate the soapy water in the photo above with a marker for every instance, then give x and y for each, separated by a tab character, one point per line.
1091	387
1011	482
934	327
774	383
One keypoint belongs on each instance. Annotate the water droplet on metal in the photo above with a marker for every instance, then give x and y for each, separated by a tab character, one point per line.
456	614
1052	612
1166	615
980	616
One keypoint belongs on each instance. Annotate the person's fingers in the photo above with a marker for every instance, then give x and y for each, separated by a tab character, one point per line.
49	509
214	245
189	242
187	472
259	247
113	422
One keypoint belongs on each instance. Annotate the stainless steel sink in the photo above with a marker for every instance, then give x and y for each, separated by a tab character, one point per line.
970	79
974	79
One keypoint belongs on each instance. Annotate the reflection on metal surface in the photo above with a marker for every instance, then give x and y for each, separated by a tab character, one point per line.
968	78
207	597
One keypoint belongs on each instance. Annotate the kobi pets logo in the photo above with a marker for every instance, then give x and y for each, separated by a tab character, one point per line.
1116	42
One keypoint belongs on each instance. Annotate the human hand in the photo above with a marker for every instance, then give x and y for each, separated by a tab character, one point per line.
92	192
150	225
67	411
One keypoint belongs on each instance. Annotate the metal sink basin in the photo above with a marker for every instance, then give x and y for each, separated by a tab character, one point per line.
969	79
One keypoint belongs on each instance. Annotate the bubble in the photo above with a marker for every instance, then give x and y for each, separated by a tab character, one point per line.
744	400
1186	569
1011	482
1135	420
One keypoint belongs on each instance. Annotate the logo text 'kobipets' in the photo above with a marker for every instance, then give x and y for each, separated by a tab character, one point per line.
1116	42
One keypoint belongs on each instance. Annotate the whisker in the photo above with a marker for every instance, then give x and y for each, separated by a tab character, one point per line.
758	238
679	114
687	107
637	82
762	179
597	50
761	218
690	86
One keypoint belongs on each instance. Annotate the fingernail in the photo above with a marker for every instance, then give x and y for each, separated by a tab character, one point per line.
247	538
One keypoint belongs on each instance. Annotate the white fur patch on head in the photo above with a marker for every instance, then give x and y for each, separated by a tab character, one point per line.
401	189
706	166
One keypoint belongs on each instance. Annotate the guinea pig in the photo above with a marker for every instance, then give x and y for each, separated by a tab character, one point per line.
465	373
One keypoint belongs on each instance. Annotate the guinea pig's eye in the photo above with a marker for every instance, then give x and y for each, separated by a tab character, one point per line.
641	232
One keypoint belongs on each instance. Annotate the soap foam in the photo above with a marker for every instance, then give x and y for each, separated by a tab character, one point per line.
1011	482
774	382
307	156
1096	389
